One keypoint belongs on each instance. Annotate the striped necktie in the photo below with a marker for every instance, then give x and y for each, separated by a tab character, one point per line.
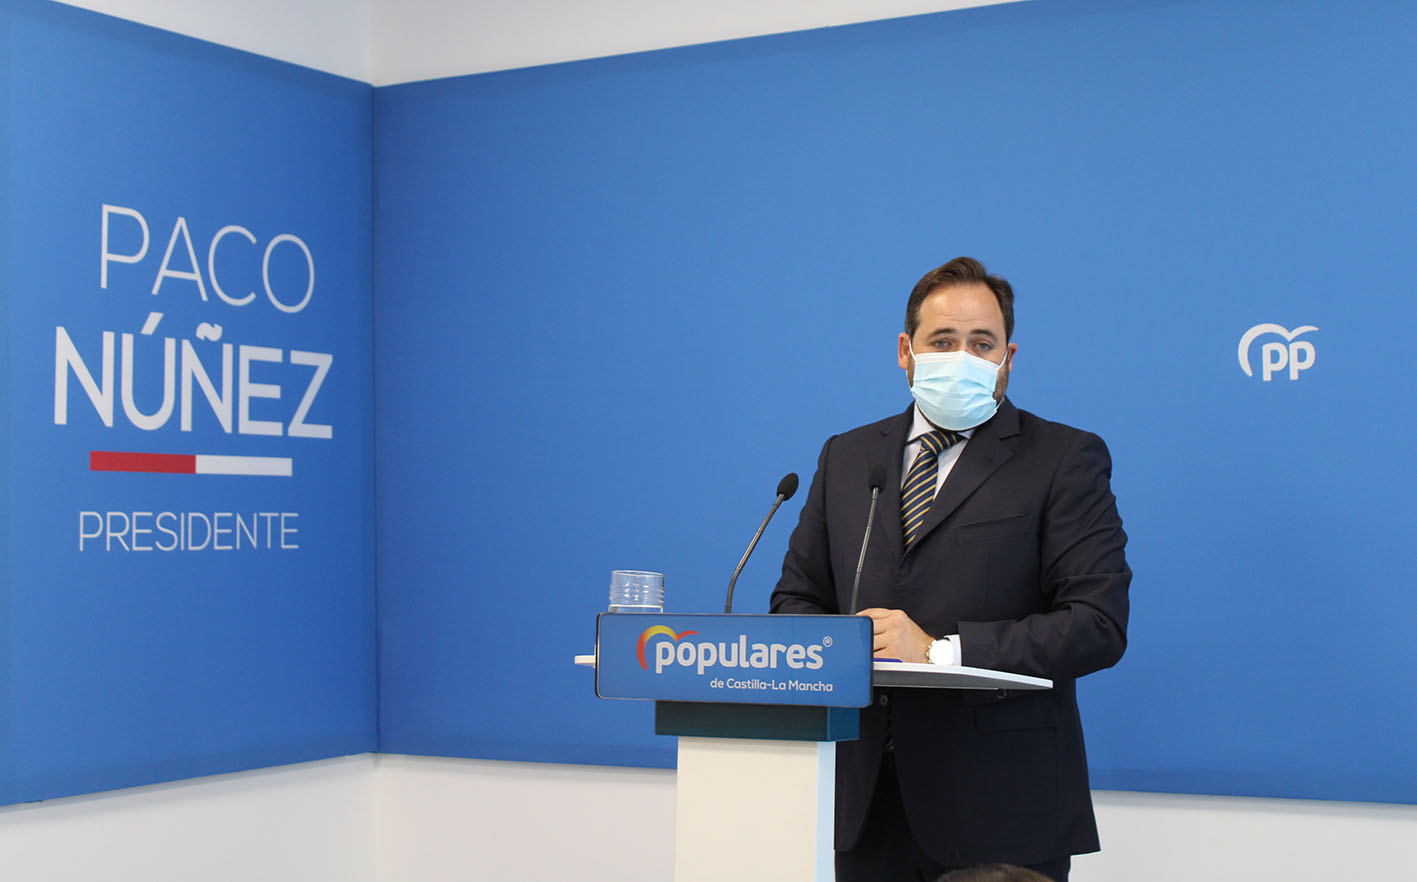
919	488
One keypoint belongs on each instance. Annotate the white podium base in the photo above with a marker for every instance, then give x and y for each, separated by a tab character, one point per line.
754	811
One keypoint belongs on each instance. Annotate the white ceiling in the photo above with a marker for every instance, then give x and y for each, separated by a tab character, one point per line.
438	38
328	35
394	41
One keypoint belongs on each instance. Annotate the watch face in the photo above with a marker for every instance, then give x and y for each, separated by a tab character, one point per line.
938	652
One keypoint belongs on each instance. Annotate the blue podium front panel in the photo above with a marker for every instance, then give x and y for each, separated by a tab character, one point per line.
743	659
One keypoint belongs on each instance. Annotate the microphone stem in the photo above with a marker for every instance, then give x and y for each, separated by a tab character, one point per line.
728	604
861	561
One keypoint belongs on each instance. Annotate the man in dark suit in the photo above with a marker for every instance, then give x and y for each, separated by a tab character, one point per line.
997	545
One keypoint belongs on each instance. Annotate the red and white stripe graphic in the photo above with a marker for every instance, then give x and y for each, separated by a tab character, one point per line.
189	463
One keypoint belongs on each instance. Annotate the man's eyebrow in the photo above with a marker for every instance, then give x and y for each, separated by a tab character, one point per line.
974	333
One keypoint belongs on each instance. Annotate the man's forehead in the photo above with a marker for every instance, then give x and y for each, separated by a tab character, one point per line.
961	309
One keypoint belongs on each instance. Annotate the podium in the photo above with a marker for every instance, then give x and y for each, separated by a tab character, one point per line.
758	703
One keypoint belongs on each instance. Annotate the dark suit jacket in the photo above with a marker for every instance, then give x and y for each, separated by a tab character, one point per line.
1022	555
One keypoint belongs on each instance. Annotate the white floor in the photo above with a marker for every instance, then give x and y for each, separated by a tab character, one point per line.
312	821
427	819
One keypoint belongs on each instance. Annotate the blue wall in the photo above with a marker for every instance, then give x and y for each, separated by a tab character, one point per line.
617	299
125	663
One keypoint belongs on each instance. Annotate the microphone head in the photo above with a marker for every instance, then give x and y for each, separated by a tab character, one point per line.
787	486
877	478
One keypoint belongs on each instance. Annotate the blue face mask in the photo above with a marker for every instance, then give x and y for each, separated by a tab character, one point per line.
955	390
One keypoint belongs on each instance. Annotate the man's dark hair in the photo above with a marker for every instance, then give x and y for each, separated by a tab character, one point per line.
994	873
960	271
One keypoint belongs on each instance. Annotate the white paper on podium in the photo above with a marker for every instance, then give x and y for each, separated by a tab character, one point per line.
929	676
950	677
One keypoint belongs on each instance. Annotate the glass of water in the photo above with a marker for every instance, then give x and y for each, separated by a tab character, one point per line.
636	591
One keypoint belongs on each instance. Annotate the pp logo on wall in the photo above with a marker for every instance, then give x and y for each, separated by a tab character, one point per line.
1287	354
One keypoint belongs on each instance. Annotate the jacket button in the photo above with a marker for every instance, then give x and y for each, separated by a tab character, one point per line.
885	700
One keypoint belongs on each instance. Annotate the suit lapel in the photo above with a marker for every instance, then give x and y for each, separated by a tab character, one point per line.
989	447
889	452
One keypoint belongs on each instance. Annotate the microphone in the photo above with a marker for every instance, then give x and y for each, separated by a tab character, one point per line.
876	479
785	488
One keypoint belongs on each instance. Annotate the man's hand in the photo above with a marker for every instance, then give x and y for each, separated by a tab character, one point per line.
897	636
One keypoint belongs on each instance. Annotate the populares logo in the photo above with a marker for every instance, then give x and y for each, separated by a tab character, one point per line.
1296	355
651	632
737	653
